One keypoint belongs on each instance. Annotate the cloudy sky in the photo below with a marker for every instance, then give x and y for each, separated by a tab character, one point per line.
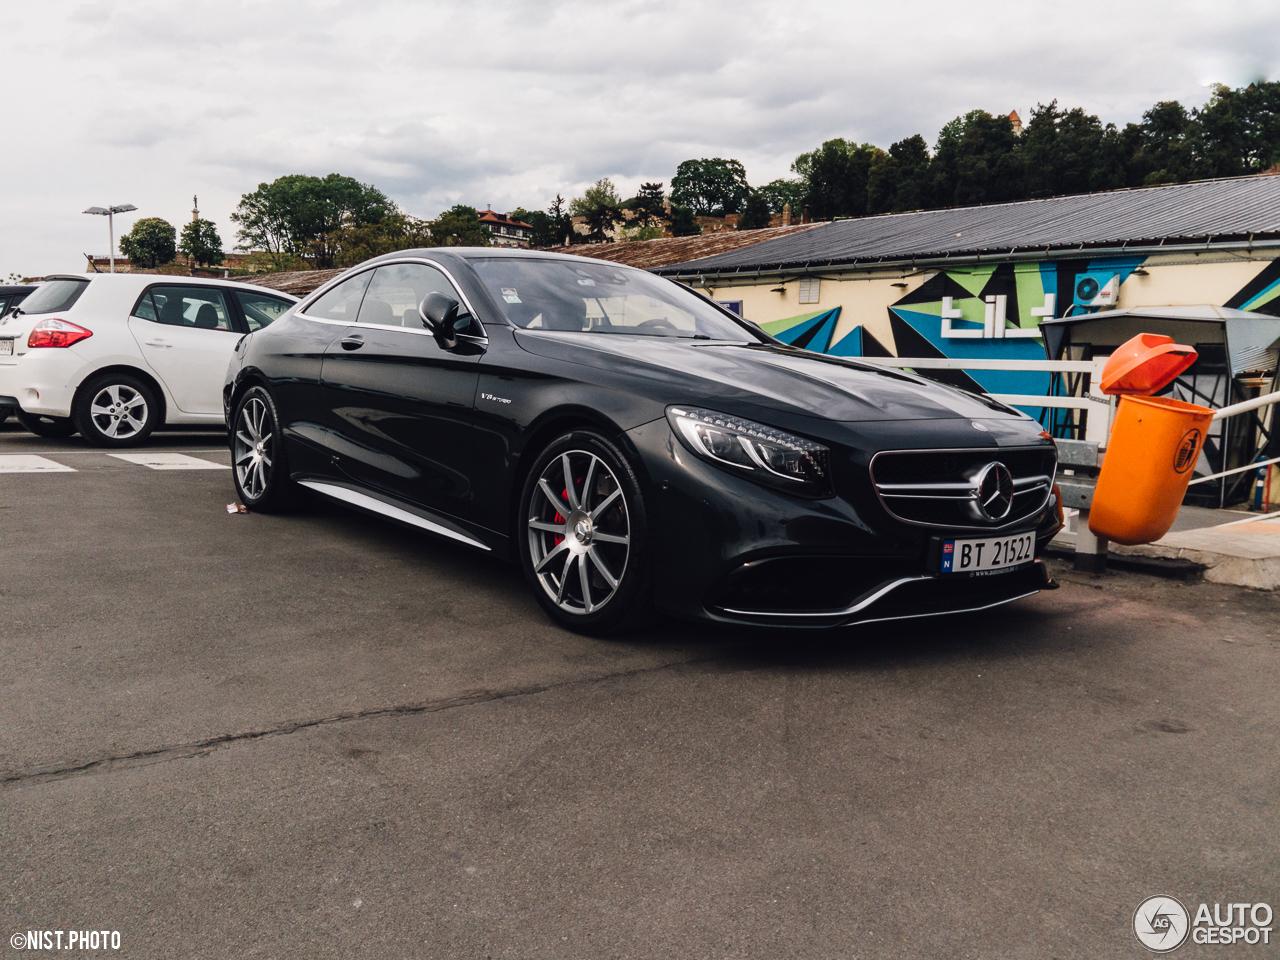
507	103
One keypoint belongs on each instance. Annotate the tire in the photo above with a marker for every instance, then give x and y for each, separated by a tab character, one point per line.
578	594
55	428
115	410
259	465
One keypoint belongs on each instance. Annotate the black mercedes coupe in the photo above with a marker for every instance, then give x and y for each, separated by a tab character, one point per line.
635	447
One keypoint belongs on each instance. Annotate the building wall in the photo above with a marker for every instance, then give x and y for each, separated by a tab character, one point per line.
881	312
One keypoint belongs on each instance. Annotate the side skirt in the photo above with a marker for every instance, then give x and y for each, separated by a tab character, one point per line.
384	508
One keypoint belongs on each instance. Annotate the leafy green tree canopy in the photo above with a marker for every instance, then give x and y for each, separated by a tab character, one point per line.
684	222
710	188
398	231
600	207
648	204
459	226
296	214
779	193
200	243
755	212
151	242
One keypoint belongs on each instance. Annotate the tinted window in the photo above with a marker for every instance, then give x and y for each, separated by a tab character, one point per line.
601	297
343	301
396	291
4	305
261	309
53	295
201	307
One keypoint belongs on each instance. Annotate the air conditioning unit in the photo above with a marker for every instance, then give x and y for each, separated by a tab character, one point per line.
1097	289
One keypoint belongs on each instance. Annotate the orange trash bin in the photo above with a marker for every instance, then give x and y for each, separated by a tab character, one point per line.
1155	443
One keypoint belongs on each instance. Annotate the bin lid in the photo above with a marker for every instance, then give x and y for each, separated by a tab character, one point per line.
1145	365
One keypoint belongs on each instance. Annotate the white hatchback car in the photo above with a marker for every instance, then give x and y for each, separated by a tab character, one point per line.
114	356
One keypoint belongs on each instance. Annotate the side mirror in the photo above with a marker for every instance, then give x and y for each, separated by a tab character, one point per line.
439	314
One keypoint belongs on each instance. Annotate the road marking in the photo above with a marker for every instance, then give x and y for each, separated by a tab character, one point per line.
168	461
30	463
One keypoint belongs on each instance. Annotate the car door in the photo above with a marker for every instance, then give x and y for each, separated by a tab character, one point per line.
187	336
401	404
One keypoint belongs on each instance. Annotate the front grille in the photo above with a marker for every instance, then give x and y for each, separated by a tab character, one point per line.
940	488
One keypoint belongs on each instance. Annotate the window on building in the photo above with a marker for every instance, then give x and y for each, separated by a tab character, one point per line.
809	289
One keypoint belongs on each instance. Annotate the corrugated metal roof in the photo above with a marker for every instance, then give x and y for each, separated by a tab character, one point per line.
651	254
1201	211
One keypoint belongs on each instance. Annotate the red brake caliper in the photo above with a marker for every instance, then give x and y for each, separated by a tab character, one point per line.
556	540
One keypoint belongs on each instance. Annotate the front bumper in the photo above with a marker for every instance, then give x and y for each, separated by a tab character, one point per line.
732	551
901	598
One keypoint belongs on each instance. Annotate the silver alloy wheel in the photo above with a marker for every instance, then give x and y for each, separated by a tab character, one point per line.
252	449
579	538
118	411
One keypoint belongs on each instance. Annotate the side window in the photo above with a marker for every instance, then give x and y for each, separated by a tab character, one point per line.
343	301
146	308
4	305
261	309
201	307
397	290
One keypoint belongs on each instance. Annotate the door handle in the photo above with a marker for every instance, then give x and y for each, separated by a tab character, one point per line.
352	343
158	343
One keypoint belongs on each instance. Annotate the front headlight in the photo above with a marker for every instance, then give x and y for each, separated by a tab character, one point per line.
763	454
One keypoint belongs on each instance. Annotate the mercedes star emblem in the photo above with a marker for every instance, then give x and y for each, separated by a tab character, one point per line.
995	491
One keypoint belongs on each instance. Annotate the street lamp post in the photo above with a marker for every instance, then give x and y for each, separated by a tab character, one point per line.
109	213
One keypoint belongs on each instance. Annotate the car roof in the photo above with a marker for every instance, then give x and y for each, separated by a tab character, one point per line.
140	280
7	288
485	253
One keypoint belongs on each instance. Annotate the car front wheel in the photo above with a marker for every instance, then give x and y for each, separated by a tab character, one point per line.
116	410
585	543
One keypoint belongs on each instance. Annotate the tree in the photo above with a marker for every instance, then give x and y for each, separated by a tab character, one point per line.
544	233
884	178
561	221
1168	143
601	209
200	243
755	212
836	178
151	242
296	214
459	226
779	193
684	223
352	245
912	158
711	188
648	205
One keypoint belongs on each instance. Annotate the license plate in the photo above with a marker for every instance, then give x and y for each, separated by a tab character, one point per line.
6	348
986	556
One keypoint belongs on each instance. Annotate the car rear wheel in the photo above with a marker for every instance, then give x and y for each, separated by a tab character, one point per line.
258	461
116	410
55	428
585	546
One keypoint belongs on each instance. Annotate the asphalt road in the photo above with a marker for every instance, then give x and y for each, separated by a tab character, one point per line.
323	736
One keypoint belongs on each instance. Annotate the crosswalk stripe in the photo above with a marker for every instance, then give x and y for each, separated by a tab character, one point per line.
30	463
168	461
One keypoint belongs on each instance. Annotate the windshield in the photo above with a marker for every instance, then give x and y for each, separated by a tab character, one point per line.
53	295
601	297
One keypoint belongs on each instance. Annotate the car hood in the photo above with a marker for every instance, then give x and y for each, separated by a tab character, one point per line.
765	375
